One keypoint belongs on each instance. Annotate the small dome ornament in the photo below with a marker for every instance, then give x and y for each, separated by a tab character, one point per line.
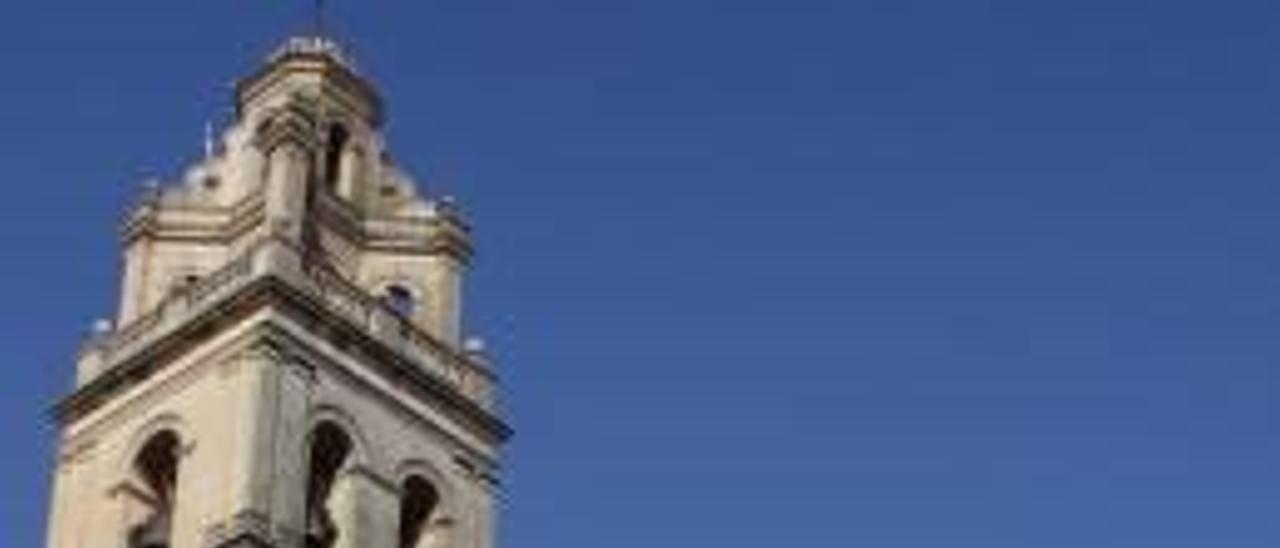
317	41
475	345
313	45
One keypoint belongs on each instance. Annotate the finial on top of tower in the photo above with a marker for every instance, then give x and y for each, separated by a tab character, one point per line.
312	46
318	39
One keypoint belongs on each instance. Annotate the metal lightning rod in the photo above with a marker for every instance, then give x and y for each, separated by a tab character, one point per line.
319	18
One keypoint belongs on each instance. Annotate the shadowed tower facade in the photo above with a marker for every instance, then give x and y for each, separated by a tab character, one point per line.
287	367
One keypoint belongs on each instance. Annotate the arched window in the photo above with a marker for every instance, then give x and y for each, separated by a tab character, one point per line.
334	148
156	469
400	299
418	503
330	450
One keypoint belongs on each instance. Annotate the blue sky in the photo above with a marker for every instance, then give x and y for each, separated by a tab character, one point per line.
761	273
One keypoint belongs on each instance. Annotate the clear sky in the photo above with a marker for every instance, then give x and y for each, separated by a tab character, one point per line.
761	273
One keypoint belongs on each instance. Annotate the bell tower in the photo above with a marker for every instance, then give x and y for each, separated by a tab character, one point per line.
288	366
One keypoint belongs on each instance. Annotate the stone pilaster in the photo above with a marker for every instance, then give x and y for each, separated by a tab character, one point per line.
269	450
290	407
254	437
288	141
286	189
367	509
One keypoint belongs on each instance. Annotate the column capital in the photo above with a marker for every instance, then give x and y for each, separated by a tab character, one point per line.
294	123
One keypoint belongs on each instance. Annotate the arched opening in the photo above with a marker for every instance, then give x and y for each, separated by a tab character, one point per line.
418	503
330	451
156	471
335	146
400	299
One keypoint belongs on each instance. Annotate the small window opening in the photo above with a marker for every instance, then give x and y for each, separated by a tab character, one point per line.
337	144
330	450
418	504
156	467
400	299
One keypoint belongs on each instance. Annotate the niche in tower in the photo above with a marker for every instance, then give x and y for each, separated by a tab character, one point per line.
330	450
156	472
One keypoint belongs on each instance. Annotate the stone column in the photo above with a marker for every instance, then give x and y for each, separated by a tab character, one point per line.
133	282
267	453
293	384
132	509
350	171
286	188
253	441
59	532
442	314
483	494
367	510
445	272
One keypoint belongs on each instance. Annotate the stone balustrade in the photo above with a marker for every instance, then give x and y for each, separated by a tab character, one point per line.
276	258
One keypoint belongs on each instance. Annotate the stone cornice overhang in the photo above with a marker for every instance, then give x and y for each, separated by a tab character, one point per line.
221	223
447	234
273	292
353	87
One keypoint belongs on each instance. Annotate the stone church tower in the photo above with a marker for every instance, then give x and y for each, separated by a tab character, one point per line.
287	367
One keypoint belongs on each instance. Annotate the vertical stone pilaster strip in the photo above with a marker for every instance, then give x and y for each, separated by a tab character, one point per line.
293	392
350	172
286	188
253	414
344	503
63	480
484	493
367	510
482	522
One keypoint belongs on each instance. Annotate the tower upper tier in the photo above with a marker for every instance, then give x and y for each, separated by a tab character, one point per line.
304	167
315	66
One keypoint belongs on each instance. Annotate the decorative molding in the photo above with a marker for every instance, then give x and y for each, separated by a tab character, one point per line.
374	478
75	451
247	528
268	290
162	421
128	488
166	387
223	224
296	122
298	366
412	419
251	529
345	87
324	412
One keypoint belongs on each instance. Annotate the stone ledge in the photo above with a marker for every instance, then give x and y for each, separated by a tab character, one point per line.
272	292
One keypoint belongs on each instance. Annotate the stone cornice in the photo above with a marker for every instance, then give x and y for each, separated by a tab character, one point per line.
447	234
274	292
389	363
246	529
345	86
295	123
221	224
